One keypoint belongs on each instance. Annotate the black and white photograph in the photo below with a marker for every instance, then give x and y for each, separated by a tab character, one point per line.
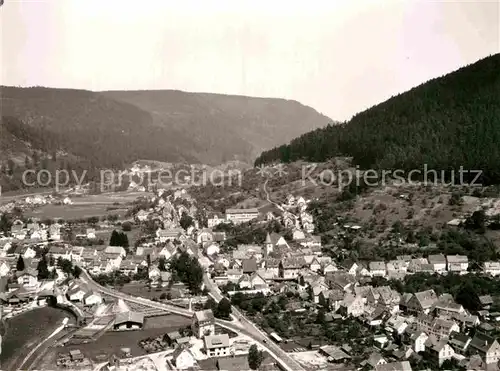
236	185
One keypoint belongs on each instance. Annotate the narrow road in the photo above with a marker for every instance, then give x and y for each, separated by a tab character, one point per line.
253	331
241	326
264	187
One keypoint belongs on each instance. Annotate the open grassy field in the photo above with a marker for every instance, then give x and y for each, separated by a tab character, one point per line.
26	330
87	206
141	289
68	212
111	342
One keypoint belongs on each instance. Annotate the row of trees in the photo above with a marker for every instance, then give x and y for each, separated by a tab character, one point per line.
187	269
119	239
43	267
465	289
221	310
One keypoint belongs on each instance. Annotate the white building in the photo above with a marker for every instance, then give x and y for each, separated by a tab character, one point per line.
492	268
438	263
215	219
457	263
377	269
183	359
238	216
217	345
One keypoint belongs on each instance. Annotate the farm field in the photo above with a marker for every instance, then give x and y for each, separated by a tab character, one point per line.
141	290
112	342
88	206
67	212
26	330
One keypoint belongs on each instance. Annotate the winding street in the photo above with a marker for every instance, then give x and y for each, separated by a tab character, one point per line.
268	198
241	325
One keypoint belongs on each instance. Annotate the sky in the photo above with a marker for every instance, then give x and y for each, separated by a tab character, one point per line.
337	56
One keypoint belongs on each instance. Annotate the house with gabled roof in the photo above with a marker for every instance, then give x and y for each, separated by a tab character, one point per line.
438	263
128	266
244	282
439	348
29	252
439	327
421	302
290	267
204	235
274	241
164	235
486	346
4	269
352	306
215	219
394	366
76	293
257	281
249	266
376	359
113	250
128	320
92	298
62	252
486	301
377	269
203	323
27	278
492	268
340	280
239	363
457	263
182	358
217	345
328	267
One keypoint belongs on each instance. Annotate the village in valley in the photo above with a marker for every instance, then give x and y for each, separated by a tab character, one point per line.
169	283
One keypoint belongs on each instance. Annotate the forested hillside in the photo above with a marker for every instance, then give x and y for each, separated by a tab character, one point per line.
446	123
110	129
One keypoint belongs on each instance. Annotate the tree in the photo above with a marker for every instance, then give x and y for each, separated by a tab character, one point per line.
20	264
223	309
77	271
255	357
477	221
210	304
127	227
43	271
65	265
320	318
188	270
11	166
115	238
27	163
468	297
5	223
186	221
162	264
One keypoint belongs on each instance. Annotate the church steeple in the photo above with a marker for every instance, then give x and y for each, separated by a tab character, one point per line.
268	245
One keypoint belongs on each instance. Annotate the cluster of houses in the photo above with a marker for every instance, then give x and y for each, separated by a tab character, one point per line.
215	345
33	232
404	265
408	324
